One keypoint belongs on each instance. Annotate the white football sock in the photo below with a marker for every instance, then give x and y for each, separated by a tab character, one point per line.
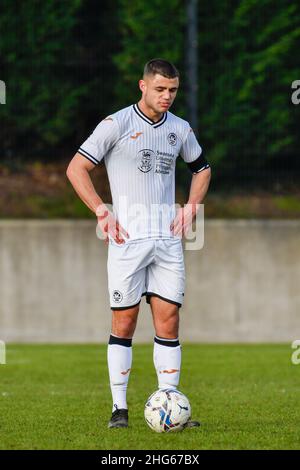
167	361
119	358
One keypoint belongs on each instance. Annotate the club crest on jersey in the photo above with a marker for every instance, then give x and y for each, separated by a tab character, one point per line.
172	138
146	157
117	296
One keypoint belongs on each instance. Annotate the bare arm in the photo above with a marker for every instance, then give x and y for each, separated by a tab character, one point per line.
185	215
199	186
78	175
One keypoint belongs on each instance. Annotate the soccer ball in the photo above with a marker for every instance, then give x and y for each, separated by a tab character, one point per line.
167	410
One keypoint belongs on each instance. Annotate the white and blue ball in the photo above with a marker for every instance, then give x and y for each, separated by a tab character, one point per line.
167	410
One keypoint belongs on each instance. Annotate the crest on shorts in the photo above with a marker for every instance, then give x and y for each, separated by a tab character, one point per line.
172	138
145	157
117	296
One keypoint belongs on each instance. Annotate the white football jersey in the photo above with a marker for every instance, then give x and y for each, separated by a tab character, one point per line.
140	157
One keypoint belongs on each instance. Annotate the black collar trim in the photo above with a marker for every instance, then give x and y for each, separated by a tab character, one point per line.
143	116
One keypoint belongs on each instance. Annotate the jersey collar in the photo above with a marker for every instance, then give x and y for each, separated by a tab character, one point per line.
143	116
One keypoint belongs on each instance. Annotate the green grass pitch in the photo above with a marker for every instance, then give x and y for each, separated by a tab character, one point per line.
57	397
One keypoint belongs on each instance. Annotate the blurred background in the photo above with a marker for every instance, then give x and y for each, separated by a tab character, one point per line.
66	65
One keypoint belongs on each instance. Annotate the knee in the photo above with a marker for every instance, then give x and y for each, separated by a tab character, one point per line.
168	327
124	327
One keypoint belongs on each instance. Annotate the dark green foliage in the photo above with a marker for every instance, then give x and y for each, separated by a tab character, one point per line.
249	61
54	66
68	64
40	99
148	30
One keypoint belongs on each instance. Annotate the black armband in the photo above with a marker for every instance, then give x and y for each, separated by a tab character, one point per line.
198	165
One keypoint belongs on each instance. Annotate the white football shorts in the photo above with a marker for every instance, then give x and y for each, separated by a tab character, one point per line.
151	267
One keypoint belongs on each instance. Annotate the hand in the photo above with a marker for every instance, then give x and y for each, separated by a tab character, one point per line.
109	226
183	220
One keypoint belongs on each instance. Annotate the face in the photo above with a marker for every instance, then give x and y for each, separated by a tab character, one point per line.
159	92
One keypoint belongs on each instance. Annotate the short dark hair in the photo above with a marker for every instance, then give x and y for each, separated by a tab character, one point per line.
162	67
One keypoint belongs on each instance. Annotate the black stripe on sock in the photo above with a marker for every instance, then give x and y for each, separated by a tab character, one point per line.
165	342
120	341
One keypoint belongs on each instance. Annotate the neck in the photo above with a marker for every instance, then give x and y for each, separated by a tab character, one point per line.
150	113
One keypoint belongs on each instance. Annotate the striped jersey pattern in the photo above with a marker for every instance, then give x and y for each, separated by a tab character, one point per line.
140	157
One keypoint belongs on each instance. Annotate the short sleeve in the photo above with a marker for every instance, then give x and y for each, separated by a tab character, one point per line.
190	149
103	138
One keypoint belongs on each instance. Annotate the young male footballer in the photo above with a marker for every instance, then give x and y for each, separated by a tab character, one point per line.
139	145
